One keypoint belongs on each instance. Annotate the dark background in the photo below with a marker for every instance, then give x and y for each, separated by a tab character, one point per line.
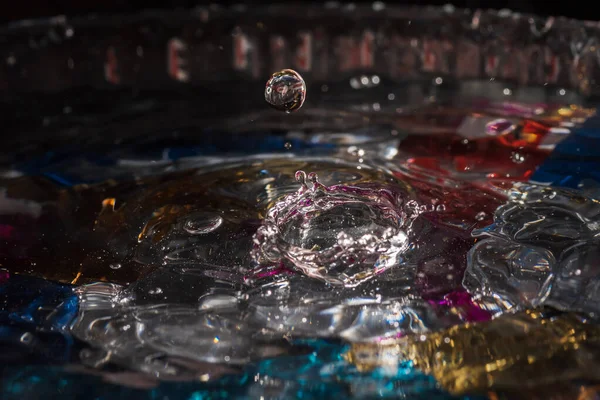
20	9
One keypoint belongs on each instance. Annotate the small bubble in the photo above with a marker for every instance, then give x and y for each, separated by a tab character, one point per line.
499	127
115	266
517	157
27	338
480	216
285	91
156	291
202	224
287	145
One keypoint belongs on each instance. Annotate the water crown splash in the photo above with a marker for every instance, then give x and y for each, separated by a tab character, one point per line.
343	235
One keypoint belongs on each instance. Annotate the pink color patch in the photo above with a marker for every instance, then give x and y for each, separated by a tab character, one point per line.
3	276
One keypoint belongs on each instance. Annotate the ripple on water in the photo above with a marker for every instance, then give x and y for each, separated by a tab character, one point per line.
353	254
540	250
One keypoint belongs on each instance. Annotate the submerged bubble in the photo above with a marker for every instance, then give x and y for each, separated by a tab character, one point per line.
285	90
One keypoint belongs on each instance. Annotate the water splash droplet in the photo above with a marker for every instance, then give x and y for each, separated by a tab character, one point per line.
344	235
285	91
300	177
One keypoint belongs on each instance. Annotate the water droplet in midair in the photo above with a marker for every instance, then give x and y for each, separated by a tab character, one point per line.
285	91
480	216
301	177
287	145
499	127
115	266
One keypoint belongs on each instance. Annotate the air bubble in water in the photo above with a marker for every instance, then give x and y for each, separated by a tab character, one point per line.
115	266
285	91
202	223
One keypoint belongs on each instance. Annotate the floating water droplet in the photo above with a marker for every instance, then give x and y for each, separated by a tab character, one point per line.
480	216
499	127
285	91
287	145
202	223
115	266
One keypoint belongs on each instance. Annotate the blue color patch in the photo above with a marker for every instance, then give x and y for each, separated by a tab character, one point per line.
34	320
319	372
575	161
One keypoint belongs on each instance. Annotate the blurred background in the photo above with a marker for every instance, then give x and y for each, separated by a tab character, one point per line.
40	8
